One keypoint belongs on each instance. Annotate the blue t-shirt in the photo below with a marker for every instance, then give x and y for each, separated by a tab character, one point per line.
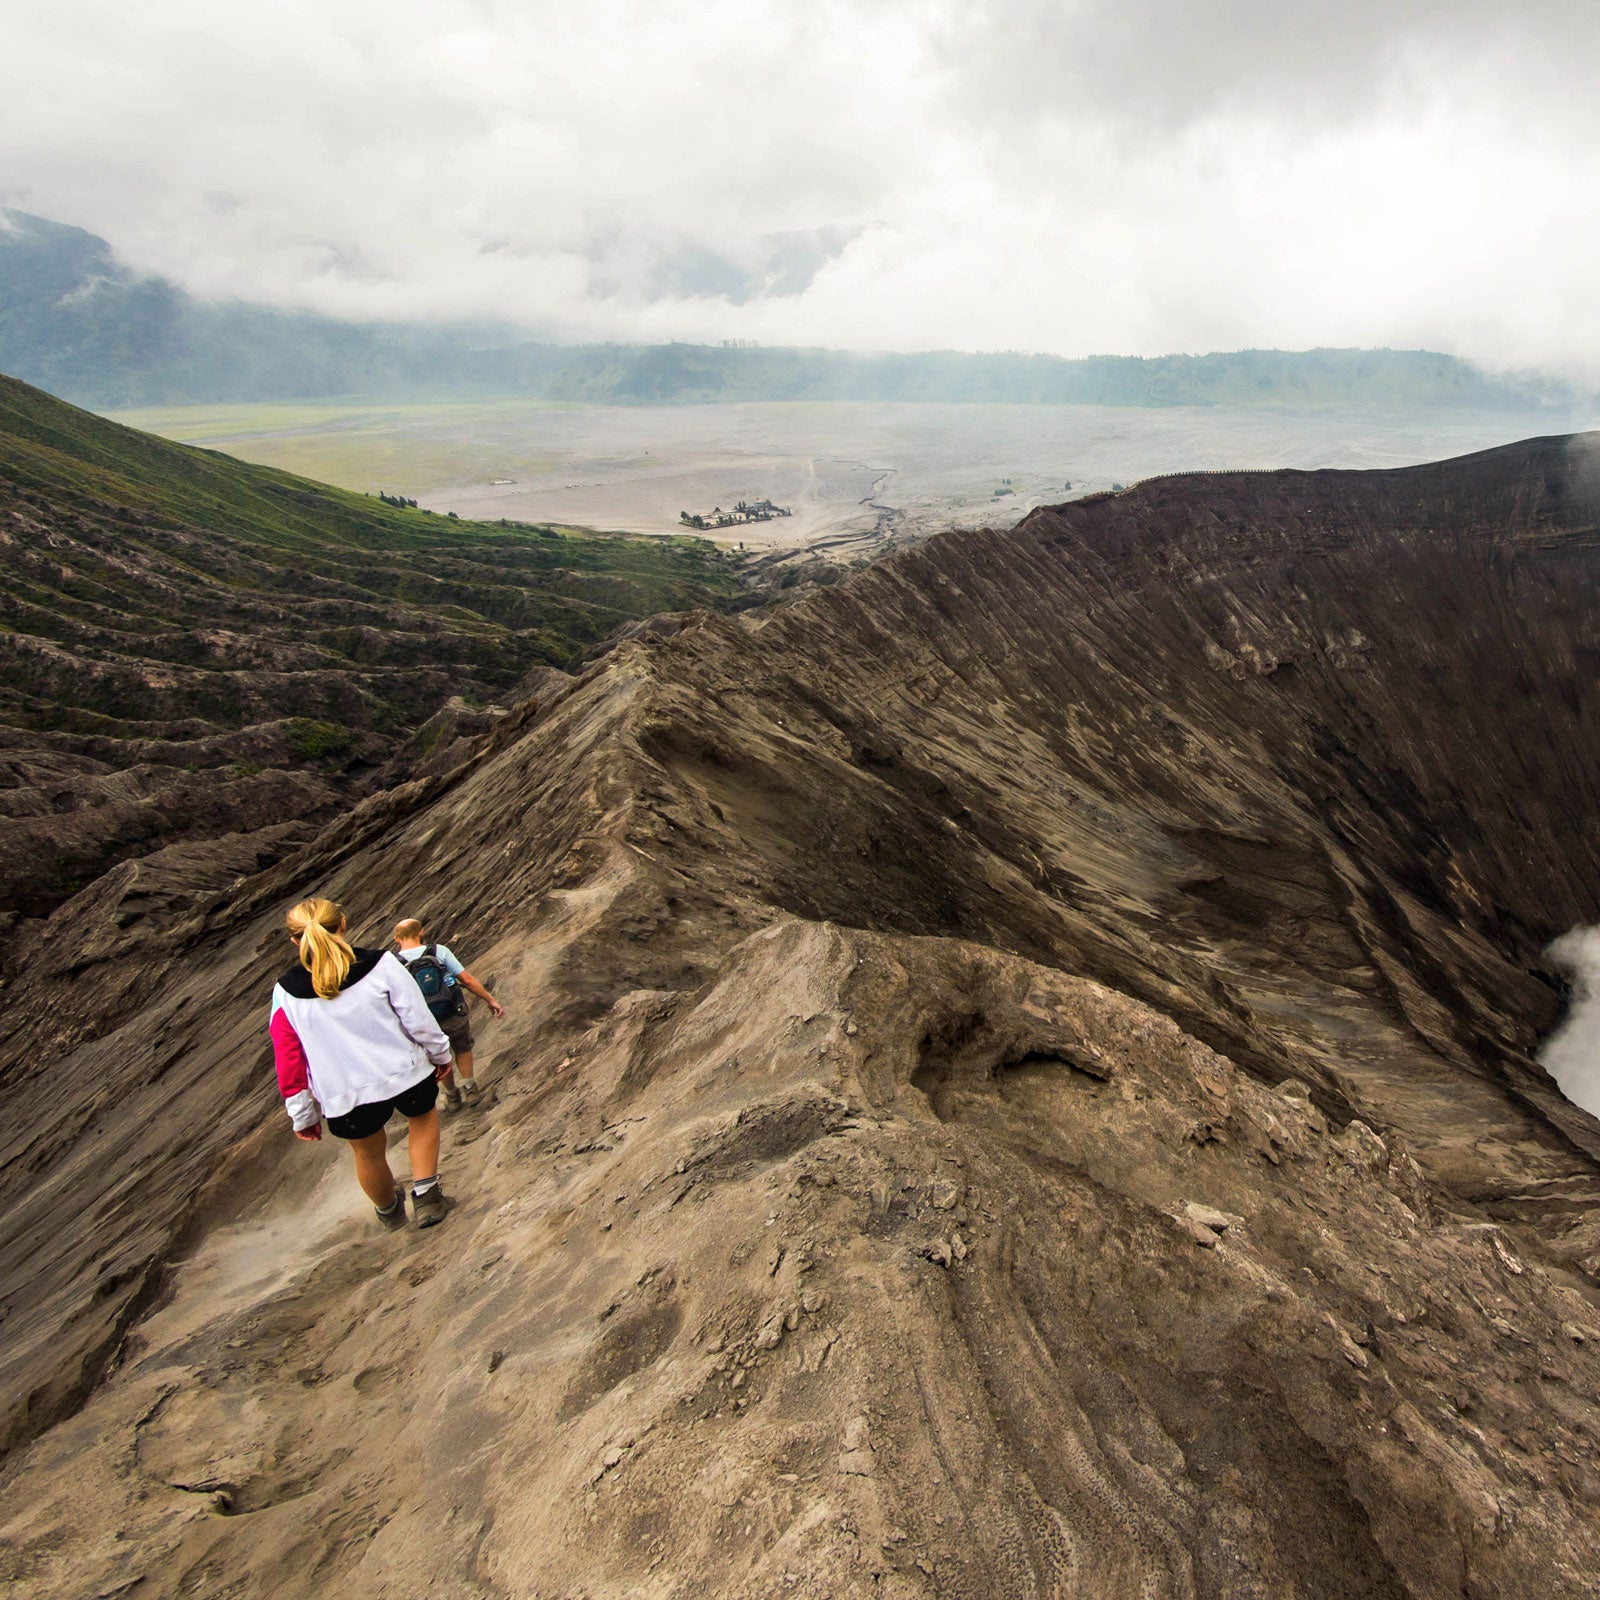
447	960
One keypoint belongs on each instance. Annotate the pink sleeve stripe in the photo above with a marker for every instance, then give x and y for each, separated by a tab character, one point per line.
293	1075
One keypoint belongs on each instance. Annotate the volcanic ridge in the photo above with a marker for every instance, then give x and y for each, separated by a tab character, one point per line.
1018	1081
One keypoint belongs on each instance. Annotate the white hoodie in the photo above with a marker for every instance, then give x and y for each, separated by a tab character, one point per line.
370	1042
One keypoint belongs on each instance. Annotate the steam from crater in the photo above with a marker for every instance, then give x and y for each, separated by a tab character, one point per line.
1572	1054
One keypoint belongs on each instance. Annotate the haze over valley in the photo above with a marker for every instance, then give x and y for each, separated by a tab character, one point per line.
855	473
866	449
893	709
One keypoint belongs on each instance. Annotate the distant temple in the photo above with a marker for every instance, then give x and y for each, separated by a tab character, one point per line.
745	511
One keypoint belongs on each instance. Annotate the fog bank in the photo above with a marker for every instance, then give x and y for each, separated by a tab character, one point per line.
900	176
1572	1055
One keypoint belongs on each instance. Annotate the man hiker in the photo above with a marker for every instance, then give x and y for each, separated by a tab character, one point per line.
442	979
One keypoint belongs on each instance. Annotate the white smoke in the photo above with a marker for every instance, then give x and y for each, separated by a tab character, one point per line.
1572	1054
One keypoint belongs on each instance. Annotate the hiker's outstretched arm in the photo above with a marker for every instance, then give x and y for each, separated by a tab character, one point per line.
467	981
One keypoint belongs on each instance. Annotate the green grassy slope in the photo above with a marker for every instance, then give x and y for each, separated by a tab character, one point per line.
193	647
125	545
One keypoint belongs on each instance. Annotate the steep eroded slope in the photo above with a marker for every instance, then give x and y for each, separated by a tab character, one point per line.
1018	1083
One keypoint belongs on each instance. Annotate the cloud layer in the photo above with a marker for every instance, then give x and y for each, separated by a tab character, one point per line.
1572	1053
1075	176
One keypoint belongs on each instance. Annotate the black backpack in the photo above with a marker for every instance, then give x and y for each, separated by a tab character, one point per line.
443	997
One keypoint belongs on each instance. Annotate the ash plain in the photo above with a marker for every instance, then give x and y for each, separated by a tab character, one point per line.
859	477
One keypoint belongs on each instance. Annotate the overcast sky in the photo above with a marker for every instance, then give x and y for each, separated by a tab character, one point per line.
1076	176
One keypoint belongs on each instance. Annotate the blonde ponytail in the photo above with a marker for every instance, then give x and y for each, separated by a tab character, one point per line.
324	951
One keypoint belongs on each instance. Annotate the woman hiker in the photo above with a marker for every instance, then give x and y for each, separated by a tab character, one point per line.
353	1035
441	977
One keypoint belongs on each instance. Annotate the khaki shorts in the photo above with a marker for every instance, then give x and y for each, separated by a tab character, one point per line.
458	1030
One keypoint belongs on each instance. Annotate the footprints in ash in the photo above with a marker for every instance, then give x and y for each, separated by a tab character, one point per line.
637	1335
225	1443
634	1340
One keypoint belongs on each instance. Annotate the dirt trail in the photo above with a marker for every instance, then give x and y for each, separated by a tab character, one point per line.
767	1292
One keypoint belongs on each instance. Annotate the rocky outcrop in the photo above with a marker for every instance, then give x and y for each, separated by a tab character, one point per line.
996	1101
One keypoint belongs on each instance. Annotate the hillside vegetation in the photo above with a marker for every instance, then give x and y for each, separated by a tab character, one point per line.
170	610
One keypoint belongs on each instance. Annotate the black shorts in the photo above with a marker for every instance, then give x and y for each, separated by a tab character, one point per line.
360	1121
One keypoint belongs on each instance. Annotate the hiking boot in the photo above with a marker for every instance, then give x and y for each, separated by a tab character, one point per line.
469	1091
428	1208
450	1099
394	1214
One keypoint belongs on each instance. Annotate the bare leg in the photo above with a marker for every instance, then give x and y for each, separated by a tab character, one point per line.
423	1139
372	1166
464	1065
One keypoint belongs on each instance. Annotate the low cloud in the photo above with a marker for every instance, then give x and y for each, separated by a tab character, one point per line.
1081	177
1572	1055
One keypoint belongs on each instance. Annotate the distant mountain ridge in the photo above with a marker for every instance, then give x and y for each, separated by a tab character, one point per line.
76	321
